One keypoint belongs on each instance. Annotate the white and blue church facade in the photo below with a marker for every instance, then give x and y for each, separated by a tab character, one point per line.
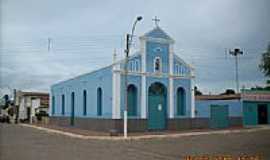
160	94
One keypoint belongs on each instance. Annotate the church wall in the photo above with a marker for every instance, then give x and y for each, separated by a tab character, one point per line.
89	82
165	82
152	50
136	81
186	85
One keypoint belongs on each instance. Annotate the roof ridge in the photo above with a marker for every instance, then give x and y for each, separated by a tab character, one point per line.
160	30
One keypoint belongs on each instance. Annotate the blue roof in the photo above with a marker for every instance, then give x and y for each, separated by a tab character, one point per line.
157	32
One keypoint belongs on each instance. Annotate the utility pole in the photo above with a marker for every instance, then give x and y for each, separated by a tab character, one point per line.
235	53
15	106
126	86
128	43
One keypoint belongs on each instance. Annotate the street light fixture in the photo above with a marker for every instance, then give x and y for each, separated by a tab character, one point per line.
235	53
129	39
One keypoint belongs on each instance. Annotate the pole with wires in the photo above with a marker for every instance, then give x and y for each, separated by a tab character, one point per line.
126	86
128	43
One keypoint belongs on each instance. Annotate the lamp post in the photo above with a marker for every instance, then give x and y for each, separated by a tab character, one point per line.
235	53
128	43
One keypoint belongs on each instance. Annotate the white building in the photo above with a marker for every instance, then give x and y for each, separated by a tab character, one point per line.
30	103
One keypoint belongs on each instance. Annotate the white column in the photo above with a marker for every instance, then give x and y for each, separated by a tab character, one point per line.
143	82
171	99
116	90
143	97
171	92
192	109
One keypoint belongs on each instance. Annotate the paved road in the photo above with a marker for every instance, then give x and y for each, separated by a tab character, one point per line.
23	143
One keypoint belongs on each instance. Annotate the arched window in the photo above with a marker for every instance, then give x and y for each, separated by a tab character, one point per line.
99	101
133	66
53	105
130	65
182	70
136	66
84	102
63	104
157	64
132	100
177	69
181	102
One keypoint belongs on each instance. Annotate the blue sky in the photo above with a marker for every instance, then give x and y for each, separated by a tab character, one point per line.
84	34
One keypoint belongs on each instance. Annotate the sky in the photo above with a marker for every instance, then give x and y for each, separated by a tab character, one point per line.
84	35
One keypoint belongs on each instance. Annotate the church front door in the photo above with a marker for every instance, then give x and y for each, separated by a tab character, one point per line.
157	107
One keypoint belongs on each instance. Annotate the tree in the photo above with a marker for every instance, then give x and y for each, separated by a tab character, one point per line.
265	62
197	92
228	91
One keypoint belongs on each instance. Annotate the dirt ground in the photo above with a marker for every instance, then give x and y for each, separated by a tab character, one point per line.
24	143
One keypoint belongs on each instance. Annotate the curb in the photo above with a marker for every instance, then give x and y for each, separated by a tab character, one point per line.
175	135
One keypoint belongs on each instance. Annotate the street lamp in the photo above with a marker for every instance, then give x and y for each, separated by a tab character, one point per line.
128	43
235	53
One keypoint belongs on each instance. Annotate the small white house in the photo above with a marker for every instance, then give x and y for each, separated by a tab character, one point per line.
30	103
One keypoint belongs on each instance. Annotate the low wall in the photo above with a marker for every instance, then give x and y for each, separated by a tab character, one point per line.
236	121
187	123
137	125
104	125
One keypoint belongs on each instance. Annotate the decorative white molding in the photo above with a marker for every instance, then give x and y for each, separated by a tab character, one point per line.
158	40
143	56
157	75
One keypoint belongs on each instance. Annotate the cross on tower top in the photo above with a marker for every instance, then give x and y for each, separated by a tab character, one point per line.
156	20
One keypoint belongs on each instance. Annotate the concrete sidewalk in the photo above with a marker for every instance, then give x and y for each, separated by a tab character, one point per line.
148	136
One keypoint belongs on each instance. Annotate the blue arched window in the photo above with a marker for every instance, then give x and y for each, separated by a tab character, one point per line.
63	104
132	100
84	102
53	105
181	101
99	101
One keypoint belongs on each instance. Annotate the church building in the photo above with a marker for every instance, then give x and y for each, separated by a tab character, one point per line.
160	93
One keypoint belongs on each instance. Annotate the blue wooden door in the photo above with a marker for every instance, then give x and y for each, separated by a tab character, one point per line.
132	100
157	107
250	113
219	116
72	109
